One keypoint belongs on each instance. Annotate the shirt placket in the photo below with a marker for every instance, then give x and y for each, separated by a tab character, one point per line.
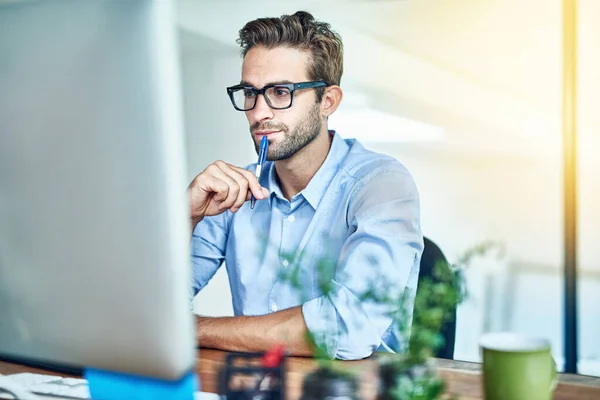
289	239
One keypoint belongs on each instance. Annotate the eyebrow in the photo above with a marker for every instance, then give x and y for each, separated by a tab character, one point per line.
246	83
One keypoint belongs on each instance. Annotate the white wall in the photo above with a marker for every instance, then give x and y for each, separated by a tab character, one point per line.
214	131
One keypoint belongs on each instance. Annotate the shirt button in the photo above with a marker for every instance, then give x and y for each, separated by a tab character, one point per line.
291	218
285	263
274	307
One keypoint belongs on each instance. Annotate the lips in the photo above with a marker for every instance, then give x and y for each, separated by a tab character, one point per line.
265	133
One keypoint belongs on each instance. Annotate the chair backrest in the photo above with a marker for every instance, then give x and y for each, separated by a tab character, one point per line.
432	254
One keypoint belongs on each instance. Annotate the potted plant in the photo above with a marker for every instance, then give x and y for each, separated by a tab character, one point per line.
411	375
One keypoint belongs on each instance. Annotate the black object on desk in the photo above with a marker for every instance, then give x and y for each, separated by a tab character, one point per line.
59	368
330	384
245	376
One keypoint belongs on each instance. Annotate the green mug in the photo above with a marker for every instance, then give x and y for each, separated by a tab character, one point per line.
517	367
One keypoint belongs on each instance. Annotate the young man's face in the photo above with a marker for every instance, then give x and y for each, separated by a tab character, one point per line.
291	129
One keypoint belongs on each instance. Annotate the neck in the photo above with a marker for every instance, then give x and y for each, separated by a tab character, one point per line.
296	172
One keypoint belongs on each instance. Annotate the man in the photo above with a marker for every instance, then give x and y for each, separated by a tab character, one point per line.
319	196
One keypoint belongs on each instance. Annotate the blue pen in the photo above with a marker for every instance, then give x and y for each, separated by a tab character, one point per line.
265	152
262	157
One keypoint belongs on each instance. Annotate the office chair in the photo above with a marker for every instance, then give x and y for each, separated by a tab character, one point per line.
432	254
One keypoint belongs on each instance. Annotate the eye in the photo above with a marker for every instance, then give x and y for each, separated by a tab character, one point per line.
249	93
281	91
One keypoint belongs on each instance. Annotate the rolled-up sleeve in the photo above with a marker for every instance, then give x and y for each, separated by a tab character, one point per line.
207	250
383	252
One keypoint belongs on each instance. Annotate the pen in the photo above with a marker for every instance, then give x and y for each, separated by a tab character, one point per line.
262	157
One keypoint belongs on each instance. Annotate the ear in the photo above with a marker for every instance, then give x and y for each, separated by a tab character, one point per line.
331	100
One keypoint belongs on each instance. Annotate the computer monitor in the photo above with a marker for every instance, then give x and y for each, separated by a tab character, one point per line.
94	231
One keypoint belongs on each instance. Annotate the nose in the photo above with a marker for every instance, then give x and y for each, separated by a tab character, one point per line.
261	111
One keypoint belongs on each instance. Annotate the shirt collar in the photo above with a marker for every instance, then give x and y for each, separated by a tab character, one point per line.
314	191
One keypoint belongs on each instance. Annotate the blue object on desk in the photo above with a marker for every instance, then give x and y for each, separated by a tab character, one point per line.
111	385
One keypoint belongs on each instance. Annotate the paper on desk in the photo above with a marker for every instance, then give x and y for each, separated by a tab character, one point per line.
207	396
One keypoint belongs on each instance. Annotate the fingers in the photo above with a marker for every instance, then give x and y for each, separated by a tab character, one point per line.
205	194
255	189
264	194
237	193
226	188
239	183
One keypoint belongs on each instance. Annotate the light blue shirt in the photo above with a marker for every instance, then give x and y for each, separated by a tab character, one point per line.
360	210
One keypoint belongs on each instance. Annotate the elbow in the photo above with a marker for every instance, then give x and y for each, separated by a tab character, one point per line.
357	339
354	355
343	333
357	349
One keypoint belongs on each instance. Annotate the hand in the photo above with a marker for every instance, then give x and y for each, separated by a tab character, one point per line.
221	187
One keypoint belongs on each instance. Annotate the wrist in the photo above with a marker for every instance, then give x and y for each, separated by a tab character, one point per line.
194	221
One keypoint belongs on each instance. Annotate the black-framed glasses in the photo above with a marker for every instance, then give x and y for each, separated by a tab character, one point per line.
278	96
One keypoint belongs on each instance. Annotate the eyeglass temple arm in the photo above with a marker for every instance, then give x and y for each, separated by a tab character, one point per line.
307	85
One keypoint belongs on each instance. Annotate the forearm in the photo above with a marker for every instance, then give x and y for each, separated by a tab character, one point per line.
256	333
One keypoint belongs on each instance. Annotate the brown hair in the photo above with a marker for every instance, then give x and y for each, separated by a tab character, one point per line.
299	31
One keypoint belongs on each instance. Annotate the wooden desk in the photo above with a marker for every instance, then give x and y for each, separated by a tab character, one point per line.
463	378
